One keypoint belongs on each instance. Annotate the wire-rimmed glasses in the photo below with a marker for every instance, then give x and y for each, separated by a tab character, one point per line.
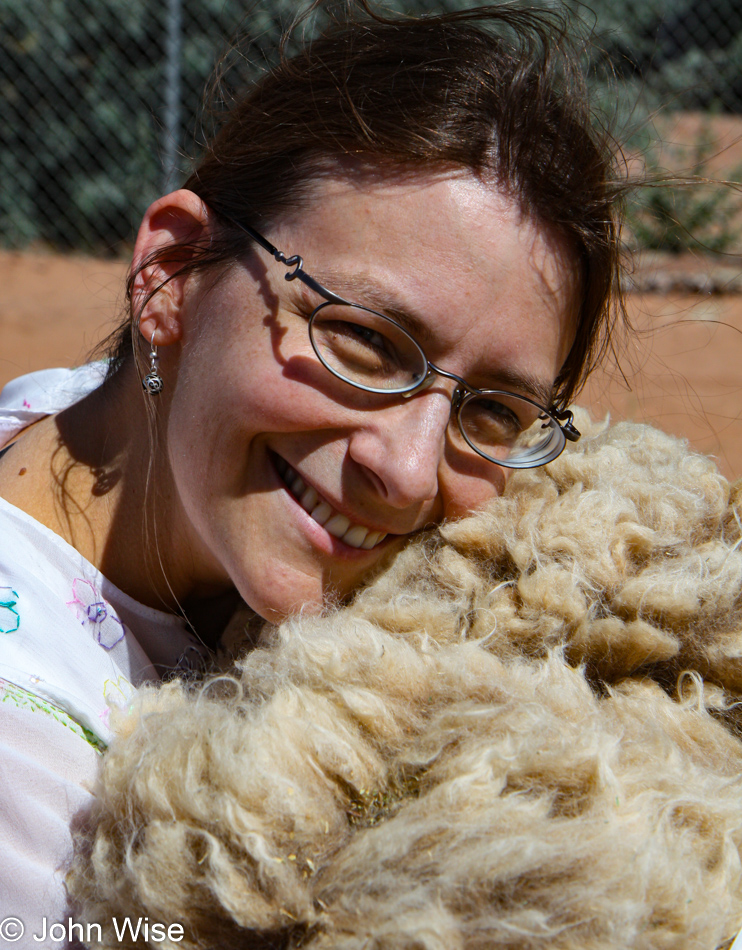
373	352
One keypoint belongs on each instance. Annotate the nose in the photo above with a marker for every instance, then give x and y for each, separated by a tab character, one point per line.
401	447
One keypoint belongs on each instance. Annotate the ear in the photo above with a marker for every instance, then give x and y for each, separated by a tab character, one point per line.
175	219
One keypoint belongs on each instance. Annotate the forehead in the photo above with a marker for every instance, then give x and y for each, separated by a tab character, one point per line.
486	288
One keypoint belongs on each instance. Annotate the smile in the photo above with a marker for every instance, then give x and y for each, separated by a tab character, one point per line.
354	535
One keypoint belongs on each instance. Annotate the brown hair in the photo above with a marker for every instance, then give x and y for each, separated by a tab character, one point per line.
496	90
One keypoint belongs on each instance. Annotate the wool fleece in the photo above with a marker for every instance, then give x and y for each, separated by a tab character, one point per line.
524	732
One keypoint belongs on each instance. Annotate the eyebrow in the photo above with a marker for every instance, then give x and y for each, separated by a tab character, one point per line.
525	384
386	301
378	298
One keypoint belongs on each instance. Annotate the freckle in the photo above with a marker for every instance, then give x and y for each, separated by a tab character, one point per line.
22	471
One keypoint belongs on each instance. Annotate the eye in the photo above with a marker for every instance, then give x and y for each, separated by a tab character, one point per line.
366	334
364	347
494	421
496	413
357	344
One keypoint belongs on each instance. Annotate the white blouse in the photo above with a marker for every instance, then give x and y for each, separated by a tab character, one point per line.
72	646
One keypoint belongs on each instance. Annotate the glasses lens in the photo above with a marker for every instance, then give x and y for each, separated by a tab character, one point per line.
510	430
366	349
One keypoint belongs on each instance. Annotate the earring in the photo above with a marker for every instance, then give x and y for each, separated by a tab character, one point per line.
152	382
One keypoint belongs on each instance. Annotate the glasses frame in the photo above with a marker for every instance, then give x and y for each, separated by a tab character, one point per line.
561	418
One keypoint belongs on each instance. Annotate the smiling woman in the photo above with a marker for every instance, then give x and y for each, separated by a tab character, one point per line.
378	463
374	297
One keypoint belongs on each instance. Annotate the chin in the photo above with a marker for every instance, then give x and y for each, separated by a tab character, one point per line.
279	599
281	588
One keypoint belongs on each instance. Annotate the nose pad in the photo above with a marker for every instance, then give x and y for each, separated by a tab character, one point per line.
424	384
402	448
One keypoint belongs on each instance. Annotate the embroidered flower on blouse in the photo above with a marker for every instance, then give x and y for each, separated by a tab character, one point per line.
10	619
93	611
118	693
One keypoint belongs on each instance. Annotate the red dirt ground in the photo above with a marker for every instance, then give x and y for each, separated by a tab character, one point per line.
683	369
54	309
683	366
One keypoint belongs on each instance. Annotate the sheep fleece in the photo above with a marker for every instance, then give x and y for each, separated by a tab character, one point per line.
523	732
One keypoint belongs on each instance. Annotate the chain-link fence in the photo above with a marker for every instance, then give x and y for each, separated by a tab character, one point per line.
686	53
99	99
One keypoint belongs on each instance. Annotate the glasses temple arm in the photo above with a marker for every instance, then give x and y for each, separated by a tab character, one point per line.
295	261
565	419
316	286
258	238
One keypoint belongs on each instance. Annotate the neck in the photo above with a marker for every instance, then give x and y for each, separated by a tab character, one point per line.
94	475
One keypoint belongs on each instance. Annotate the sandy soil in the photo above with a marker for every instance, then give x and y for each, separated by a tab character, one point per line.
683	369
683	365
54	309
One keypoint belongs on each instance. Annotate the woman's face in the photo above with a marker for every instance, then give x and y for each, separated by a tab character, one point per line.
259	433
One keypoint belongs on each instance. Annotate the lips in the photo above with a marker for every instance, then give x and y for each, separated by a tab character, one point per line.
354	535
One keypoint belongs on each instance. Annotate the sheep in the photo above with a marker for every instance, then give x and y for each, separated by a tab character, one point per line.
523	732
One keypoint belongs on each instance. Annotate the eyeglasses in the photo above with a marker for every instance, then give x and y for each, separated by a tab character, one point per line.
374	353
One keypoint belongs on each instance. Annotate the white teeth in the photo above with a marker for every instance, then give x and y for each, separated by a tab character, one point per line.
337	525
355	536
321	513
309	499
372	538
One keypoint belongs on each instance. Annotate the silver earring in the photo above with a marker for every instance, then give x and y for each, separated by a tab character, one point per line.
152	382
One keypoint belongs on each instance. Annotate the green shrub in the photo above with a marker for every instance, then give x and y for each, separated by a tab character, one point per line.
686	209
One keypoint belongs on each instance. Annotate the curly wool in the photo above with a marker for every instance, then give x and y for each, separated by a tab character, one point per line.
522	734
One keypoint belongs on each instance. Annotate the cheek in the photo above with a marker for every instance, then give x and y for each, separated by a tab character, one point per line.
464	492
225	397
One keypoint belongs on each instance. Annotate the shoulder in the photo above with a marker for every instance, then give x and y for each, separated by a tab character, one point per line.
31	397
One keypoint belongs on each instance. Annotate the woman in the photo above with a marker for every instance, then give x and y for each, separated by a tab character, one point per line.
302	416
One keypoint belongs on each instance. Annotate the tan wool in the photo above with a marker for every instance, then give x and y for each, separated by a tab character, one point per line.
523	733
